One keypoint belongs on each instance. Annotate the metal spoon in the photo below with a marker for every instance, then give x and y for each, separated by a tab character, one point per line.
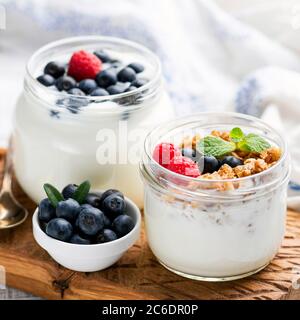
12	213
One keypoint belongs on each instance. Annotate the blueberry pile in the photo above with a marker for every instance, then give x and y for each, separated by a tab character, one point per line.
210	164
79	216
113	78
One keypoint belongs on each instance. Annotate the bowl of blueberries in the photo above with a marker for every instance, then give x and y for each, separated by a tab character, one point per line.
84	230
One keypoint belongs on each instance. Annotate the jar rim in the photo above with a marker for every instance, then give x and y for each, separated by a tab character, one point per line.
181	122
31	81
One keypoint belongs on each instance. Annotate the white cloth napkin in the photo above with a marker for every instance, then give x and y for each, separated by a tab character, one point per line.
211	60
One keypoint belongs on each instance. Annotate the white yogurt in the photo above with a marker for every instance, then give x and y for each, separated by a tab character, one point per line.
216	241
68	148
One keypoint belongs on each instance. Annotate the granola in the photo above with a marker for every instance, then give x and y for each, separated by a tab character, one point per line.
220	155
253	162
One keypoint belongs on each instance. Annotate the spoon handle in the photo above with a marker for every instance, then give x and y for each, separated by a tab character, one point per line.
7	177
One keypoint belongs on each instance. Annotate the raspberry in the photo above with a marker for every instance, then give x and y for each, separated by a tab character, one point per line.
84	65
184	166
164	152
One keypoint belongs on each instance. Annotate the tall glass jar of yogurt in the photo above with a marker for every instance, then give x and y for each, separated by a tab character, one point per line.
64	138
204	232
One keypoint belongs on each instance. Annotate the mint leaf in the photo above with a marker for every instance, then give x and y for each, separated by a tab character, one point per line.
236	135
253	143
53	194
215	146
82	191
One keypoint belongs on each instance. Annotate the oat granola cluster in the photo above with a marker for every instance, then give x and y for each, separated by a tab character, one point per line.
252	162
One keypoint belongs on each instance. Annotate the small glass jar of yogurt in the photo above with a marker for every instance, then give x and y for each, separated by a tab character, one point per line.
207	233
63	138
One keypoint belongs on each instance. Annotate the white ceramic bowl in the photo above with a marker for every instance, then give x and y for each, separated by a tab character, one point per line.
88	258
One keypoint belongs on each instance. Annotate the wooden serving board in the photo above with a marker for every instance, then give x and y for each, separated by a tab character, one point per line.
138	275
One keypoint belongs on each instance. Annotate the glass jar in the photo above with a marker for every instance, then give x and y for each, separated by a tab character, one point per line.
61	138
204	229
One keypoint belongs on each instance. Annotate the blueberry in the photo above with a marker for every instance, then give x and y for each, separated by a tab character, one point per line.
131	88
68	209
46	80
106	235
76	92
107	222
122	225
113	205
99	92
69	190
65	83
77	239
85	206
43	225
208	164
55	69
231	161
94	200
137	67
46	210
90	221
59	229
139	82
127	75
102	55
116	89
106	78
191	153
87	85
115	63
110	192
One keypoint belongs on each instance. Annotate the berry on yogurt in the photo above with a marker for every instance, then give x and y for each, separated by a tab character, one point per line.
93	74
99	92
65	83
46	79
164	153
87	85
137	67
127	75
84	65
55	69
102	55
184	166
107	78
231	161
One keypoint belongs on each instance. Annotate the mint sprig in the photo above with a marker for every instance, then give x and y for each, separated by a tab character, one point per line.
53	194
82	191
253	143
236	135
215	146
